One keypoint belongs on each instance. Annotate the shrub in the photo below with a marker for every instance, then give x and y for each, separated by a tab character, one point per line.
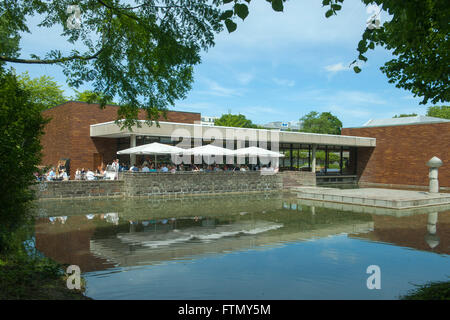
21	125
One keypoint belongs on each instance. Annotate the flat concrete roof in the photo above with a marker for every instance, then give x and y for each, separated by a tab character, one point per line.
170	129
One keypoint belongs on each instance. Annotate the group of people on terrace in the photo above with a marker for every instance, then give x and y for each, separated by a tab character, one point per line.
58	173
110	171
188	168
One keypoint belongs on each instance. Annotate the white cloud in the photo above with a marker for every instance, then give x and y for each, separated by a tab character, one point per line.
339	97
333	68
245	78
260	110
215	89
284	82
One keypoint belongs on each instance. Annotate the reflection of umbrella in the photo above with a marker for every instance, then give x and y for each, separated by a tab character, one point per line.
255	151
152	148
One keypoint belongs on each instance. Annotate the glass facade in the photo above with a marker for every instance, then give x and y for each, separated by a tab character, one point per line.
330	160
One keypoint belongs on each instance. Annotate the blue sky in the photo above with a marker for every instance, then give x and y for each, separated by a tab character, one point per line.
279	67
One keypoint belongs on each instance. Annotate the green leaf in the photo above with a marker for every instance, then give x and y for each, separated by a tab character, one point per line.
277	5
357	69
231	26
329	13
363	58
372	45
241	10
226	15
227	1
336	7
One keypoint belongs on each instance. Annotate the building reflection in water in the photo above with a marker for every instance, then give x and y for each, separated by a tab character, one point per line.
145	232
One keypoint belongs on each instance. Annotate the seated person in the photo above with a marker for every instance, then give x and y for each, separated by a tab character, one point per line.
64	175
134	168
145	168
90	175
78	174
164	168
51	175
152	168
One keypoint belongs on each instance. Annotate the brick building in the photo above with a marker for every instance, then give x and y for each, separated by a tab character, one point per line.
403	146
67	135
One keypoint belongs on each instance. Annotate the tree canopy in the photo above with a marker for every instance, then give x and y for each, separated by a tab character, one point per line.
405	115
142	52
234	120
439	112
417	36
90	96
43	90
321	123
21	124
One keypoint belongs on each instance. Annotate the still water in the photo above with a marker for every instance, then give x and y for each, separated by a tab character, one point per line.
261	246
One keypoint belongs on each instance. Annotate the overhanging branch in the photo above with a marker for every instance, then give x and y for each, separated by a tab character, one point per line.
50	61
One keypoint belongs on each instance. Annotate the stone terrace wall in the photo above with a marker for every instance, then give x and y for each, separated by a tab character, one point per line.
142	184
79	189
161	184
298	178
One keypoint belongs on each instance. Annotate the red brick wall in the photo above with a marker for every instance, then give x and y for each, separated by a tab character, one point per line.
401	153
409	231
68	133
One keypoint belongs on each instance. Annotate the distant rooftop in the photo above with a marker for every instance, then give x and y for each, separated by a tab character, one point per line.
403	121
293	125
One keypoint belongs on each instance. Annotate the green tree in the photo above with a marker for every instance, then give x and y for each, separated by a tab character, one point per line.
141	53
403	115
234	120
43	90
321	123
417	36
21	125
439	112
91	97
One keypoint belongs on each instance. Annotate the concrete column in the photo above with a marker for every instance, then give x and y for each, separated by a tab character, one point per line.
434	163
313	158
132	145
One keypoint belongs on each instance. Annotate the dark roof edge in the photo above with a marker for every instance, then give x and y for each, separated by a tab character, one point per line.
109	105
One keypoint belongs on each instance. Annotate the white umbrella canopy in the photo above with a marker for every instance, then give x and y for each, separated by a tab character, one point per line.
255	151
208	150
152	148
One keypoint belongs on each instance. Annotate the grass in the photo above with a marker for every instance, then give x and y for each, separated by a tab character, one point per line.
430	291
35	279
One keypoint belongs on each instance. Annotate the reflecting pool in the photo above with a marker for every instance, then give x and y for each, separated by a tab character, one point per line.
259	246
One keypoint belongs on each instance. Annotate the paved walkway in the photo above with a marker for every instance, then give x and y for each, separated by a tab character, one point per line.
385	198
